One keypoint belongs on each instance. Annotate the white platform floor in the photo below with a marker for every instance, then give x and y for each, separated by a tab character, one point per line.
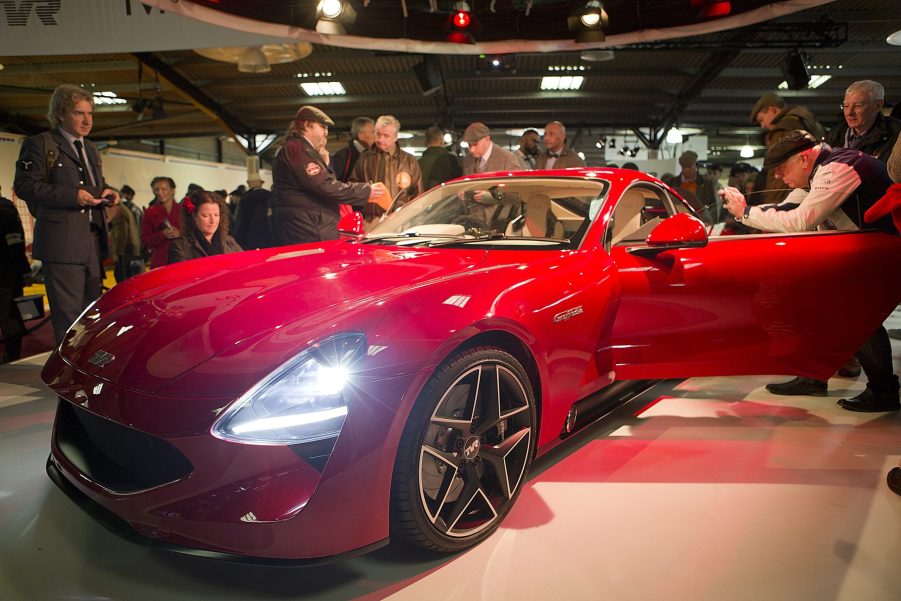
707	489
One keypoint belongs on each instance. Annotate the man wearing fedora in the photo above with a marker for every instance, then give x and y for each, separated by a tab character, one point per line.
832	189
306	194
252	223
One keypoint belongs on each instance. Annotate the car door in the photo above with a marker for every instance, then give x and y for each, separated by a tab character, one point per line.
752	304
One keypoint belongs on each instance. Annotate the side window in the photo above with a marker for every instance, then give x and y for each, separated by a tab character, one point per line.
636	213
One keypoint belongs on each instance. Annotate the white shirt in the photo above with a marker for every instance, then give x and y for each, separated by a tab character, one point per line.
830	185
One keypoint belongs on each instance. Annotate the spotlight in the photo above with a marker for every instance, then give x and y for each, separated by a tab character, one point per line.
331	9
460	24
794	69
332	15
589	22
612	143
140	105
158	111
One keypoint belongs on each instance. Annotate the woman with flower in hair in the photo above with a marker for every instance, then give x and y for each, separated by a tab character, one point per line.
205	226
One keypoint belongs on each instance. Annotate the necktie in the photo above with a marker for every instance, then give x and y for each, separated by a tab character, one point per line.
482	163
88	174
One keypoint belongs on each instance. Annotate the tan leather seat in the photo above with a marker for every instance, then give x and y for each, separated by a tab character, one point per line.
538	205
627	214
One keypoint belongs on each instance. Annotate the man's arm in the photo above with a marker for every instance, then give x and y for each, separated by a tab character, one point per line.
830	186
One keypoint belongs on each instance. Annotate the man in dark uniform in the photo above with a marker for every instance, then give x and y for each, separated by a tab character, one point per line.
13	268
59	175
306	193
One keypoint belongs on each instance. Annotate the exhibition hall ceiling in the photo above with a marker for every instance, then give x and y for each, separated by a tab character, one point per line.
704	84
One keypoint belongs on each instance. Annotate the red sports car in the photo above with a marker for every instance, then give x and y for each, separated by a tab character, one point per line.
310	401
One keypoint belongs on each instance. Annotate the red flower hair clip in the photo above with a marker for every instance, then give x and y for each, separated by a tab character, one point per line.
189	206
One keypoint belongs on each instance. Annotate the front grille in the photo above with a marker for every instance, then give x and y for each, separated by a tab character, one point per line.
118	458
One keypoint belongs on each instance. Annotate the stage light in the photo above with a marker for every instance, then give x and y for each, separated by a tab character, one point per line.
332	15
589	21
460	25
331	9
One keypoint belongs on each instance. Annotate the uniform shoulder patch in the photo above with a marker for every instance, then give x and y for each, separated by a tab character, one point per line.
313	169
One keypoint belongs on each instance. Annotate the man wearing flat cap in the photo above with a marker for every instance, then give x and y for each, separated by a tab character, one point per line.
306	194
484	155
832	189
778	119
697	190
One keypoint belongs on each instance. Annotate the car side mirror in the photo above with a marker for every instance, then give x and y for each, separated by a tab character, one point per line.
351	224
679	231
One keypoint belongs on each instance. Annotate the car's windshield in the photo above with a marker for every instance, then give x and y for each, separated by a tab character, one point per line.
535	211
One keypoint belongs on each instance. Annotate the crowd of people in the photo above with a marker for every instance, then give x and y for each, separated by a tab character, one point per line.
810	178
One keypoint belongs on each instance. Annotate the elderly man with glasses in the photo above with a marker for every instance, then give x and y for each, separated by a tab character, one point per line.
865	127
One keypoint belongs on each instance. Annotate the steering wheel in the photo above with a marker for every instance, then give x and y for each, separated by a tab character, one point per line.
470	222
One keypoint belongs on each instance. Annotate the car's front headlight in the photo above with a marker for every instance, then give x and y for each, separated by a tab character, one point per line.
301	401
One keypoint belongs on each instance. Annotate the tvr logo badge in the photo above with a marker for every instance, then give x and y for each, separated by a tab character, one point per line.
18	11
101	358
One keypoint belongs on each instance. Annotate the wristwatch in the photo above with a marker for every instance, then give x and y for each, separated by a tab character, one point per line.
745	214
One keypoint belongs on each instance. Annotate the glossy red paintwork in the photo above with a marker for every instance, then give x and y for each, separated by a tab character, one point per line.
191	338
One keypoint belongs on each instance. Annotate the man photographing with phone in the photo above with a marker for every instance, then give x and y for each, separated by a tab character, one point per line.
59	175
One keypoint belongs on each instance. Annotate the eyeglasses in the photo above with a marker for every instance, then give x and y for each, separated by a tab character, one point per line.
857	106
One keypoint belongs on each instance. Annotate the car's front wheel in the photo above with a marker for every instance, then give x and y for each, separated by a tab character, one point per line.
465	451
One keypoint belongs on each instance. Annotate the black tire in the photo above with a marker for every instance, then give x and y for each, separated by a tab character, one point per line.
463	458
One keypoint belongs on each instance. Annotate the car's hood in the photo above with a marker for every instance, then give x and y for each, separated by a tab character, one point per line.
154	328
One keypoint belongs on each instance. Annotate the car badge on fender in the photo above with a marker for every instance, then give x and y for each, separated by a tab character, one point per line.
568	314
101	358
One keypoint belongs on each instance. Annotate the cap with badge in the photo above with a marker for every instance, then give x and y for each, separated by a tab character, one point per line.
311	113
795	142
767	100
475	132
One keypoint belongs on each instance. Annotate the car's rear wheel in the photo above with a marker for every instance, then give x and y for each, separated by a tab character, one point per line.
465	451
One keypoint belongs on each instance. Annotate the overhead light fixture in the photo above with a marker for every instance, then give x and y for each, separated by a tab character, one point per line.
332	15
674	136
597	56
258	59
894	39
564	83
108	98
794	69
589	22
323	88
818	80
253	60
496	62
746	151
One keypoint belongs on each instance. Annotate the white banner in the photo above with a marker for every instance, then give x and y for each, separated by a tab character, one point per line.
40	27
